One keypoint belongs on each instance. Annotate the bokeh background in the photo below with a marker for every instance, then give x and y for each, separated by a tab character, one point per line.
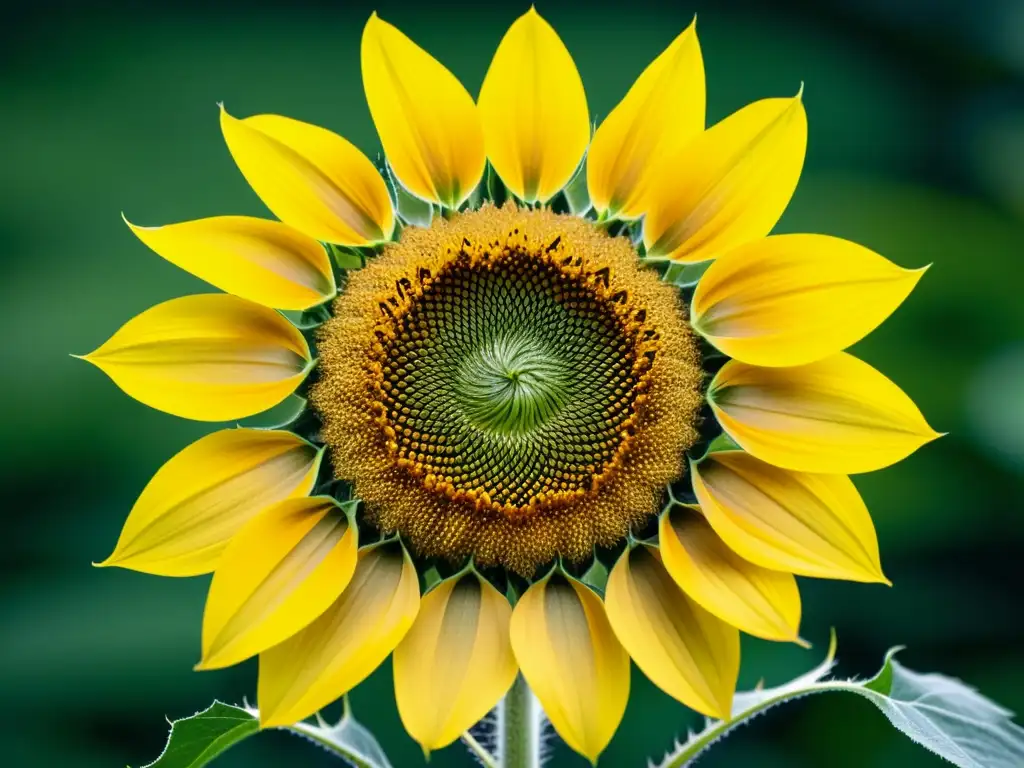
916	112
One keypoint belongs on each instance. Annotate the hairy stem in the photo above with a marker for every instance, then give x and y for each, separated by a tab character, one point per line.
519	723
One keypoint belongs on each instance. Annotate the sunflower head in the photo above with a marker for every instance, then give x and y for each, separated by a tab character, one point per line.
514	359
510	385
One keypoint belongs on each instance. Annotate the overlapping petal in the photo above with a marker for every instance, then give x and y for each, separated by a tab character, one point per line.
788	300
311	178
686	651
281	570
345	644
209	357
572	661
425	118
534	110
264	261
809	524
728	186
206	493
662	112
761	602
456	662
838	415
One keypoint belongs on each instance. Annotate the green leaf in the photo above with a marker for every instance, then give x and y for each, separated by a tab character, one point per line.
940	713
195	741
348	739
946	717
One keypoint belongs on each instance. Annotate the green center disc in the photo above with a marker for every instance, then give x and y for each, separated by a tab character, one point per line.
512	384
511	379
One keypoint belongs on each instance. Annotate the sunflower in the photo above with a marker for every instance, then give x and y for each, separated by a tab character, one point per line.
577	405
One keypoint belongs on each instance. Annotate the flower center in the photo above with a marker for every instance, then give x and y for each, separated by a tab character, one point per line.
512	385
509	381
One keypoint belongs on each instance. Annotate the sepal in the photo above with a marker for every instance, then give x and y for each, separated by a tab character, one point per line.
412	210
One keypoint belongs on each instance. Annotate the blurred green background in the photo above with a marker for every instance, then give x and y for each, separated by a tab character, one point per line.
916	112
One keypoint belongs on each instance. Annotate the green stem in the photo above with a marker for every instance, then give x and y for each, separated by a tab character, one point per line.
519	724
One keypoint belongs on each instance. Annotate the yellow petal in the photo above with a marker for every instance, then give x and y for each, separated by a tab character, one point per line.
345	644
728	186
838	415
661	114
203	495
795	299
456	662
281	571
534	110
311	178
425	118
687	652
761	602
264	261
572	661
813	525
210	357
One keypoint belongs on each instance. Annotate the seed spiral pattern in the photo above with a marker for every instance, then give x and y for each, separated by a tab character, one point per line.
510	385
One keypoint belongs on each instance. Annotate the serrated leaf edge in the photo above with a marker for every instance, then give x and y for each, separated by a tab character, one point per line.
685	753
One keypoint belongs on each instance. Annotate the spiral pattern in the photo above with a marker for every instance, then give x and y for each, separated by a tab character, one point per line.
510	385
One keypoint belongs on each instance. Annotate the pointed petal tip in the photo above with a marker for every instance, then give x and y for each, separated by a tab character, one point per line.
800	92
272	718
268	721
805	644
213	661
723	709
209	663
136	228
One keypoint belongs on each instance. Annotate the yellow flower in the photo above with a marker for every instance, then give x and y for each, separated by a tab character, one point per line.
513	397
